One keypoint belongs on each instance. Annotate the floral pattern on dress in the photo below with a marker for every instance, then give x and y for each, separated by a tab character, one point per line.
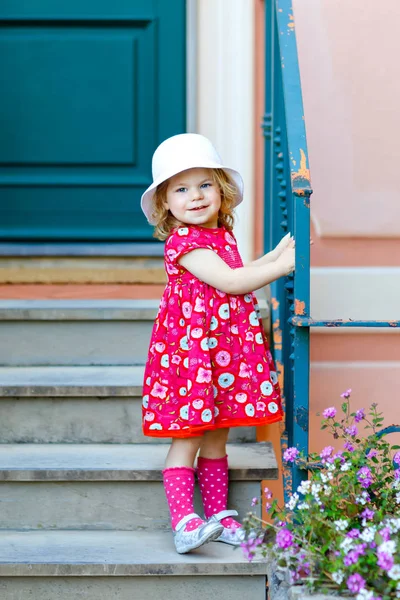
209	365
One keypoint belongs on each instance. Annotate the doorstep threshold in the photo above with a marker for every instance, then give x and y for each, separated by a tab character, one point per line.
36	249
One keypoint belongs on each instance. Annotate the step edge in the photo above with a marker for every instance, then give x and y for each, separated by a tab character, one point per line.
108	475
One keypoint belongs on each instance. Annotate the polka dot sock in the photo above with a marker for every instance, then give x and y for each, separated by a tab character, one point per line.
212	474
179	489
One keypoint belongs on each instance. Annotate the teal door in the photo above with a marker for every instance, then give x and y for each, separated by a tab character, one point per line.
88	88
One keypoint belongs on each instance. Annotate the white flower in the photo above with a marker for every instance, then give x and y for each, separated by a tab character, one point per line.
304	487
364	595
388	547
338	576
368	534
347	544
345	466
394	573
361	500
341	524
394	525
326	477
291	505
327	490
315	489
398	497
303	505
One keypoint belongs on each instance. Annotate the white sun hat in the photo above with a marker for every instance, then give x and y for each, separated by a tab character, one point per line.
179	153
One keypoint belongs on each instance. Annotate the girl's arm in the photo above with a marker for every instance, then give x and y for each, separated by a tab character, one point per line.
207	266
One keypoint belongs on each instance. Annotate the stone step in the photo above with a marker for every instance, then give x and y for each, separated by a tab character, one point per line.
116	487
31	267
77	405
77	332
122	565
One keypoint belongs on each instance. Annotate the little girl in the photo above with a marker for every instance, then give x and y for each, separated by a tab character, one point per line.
209	367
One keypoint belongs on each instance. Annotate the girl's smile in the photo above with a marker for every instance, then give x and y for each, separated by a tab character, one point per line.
194	198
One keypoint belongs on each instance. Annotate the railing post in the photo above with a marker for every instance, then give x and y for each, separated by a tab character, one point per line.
287	209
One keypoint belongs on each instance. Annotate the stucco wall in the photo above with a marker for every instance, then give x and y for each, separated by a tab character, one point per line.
348	53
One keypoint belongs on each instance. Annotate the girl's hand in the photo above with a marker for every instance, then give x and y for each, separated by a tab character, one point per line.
283	244
286	260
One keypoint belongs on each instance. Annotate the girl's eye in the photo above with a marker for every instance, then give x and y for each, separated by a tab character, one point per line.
182	189
206	184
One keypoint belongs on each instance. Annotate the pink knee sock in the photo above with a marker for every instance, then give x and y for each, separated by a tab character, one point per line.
212	474
179	489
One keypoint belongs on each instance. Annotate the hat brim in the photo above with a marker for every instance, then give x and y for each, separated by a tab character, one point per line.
147	203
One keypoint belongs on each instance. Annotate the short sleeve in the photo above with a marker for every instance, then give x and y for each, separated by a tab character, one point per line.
184	240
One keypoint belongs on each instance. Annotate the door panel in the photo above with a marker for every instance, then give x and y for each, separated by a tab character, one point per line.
88	91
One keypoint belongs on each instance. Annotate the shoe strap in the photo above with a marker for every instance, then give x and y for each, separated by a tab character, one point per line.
186	519
225	513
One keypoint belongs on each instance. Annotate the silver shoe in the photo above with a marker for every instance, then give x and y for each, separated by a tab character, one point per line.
234	537
185	541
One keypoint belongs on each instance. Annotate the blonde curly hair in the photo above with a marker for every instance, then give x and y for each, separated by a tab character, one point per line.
166	221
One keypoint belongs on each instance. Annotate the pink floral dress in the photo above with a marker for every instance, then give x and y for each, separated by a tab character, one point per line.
209	365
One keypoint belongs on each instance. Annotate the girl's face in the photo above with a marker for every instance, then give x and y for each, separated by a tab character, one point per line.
194	198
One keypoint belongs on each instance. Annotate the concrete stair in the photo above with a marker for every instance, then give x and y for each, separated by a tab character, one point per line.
103	486
78	332
78	405
75	332
121	565
83	512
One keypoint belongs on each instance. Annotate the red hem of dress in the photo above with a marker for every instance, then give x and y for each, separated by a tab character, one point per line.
198	431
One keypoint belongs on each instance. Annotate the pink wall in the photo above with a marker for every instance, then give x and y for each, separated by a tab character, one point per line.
348	53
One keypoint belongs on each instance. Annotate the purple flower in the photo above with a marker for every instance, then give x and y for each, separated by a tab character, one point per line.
267	506
249	547
329	413
327	451
284	538
352	430
346	394
353	534
385	561
254	502
268	493
372	454
385	533
397	474
368	514
349	446
351	558
396	458
355	583
339	455
290	454
364	476
360	415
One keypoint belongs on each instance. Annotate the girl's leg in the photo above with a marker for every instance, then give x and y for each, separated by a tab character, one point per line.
178	477
182	452
212	473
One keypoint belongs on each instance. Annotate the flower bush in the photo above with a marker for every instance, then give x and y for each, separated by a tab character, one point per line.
340	530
